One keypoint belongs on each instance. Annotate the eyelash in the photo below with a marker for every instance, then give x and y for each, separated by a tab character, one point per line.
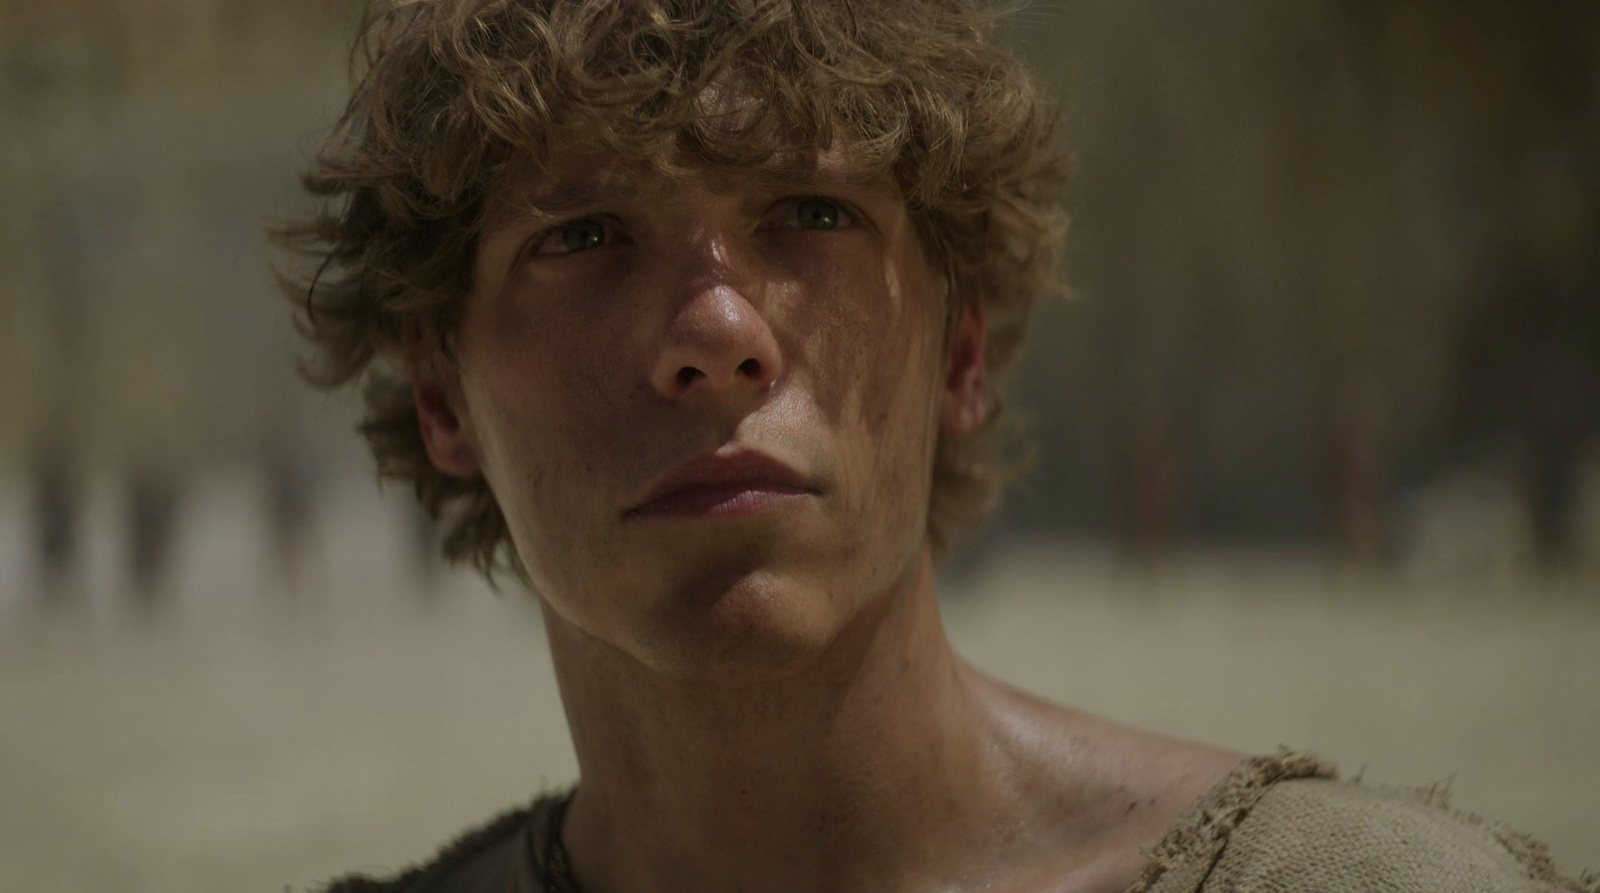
611	236
846	217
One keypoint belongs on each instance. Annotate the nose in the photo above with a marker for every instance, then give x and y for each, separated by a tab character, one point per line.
717	345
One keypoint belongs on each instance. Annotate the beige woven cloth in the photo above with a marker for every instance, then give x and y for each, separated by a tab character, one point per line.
1280	823
1285	824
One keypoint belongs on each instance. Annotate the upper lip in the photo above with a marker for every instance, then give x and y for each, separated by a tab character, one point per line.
724	467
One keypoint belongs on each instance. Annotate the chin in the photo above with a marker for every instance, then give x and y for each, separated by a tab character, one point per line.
742	605
742	626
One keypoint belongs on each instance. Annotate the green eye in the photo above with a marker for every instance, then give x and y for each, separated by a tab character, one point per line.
581	234
577	235
816	213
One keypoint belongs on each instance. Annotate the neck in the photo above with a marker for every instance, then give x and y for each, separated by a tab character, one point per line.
874	767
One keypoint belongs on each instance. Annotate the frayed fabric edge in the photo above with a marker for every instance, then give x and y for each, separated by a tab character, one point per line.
1531	853
1198	838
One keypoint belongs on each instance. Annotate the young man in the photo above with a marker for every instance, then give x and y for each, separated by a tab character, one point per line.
684	314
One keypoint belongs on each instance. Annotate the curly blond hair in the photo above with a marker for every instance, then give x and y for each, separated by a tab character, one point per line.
453	97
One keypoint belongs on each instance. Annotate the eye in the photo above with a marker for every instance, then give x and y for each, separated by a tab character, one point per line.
816	213
577	235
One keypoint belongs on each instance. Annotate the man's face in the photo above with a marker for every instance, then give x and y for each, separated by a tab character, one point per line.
707	404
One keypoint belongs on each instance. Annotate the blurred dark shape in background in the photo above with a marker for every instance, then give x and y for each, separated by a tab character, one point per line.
1529	386
153	498
290	486
1329	260
1148	486
54	518
1292	224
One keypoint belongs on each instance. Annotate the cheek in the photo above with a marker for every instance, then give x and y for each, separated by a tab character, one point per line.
545	386
537	409
867	333
876	374
509	368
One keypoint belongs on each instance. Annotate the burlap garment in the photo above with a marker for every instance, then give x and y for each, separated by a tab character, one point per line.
1281	823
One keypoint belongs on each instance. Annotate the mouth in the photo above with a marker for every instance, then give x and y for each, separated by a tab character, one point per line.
725	483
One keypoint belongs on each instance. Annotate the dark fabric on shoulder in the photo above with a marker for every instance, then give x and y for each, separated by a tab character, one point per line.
496	854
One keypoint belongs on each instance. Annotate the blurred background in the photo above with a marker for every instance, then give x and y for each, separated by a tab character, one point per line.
1319	430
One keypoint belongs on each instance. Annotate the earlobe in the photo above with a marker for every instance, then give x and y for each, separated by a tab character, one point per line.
965	403
441	416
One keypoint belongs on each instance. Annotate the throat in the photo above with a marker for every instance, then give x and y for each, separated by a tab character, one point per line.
876	769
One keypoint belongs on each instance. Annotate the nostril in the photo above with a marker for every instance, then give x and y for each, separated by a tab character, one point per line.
750	368
686	376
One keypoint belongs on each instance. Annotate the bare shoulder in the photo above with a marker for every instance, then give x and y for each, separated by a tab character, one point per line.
1153	780
1164	793
1117	792
1170	772
1122	780
1146	779
1138	785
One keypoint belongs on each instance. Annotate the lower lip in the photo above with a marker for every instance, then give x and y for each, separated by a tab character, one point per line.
735	501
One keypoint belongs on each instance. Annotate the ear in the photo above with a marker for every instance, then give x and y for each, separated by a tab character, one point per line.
441	413
965	401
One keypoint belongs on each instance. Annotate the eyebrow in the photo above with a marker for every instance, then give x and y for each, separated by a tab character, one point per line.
564	197
796	176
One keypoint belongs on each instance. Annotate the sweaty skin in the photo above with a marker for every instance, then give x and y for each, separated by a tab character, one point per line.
764	699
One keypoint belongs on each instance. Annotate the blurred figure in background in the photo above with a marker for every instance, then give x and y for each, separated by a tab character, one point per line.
1353	479
154	496
56	506
1527	378
289	479
1148	485
423	550
1529	387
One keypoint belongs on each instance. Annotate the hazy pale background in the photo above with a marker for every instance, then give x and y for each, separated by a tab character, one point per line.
1317	420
